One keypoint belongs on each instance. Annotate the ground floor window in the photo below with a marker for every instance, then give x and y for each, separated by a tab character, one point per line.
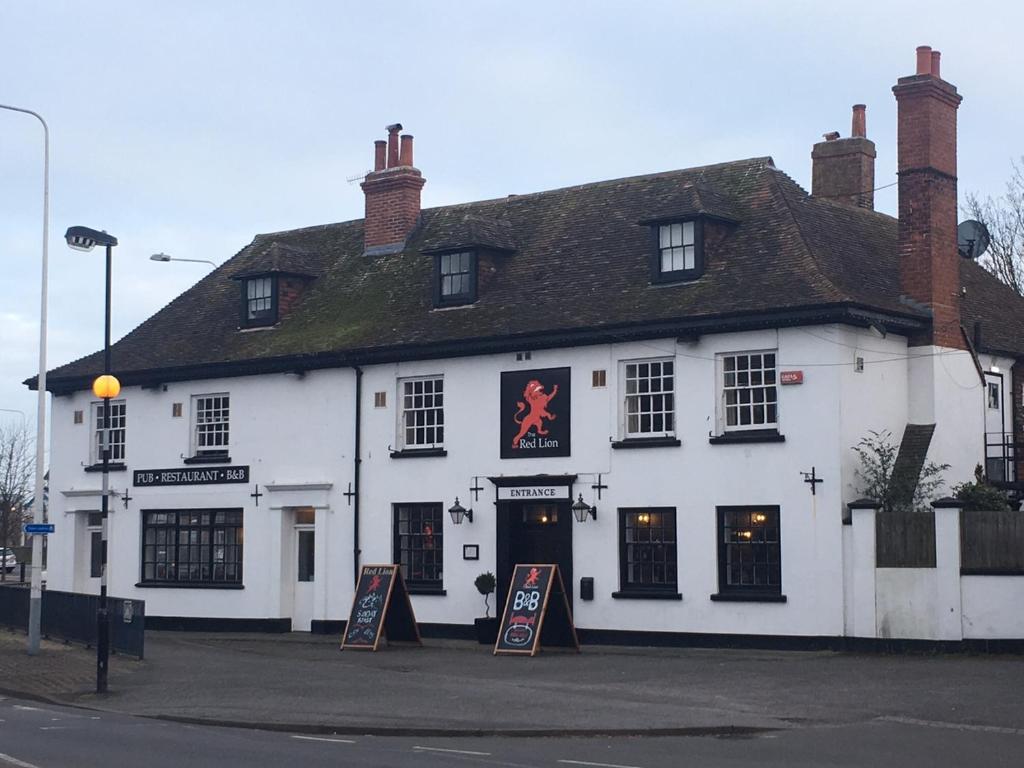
419	545
192	546
749	551
647	550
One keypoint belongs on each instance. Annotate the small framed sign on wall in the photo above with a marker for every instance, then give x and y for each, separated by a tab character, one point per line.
470	551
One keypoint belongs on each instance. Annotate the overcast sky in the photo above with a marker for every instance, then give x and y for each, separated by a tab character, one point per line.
189	126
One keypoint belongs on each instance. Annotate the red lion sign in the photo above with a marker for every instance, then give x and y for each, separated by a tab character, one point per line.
537	401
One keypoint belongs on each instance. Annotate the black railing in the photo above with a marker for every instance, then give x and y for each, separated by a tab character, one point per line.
1000	457
72	616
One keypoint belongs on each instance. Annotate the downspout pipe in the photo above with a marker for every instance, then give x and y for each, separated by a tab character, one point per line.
357	460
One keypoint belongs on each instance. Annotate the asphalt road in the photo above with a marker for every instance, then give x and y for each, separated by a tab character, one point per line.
43	736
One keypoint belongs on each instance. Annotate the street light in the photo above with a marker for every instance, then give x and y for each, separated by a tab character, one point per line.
104	387
35	605
165	257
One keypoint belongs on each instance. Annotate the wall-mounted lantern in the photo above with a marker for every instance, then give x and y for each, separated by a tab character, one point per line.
582	510
457	511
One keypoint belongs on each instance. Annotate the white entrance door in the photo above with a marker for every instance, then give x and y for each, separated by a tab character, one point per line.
302	575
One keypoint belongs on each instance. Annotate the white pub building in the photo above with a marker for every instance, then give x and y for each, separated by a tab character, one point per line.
654	382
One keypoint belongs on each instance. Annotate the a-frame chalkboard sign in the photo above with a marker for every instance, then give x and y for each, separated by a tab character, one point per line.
381	607
536	613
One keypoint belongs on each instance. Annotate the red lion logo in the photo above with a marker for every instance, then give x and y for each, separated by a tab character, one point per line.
537	400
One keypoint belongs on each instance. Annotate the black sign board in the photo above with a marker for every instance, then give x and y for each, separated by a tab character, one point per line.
536	593
190	476
381	606
535	413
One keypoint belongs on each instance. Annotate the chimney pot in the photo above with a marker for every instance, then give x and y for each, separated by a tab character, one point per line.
405	157
935	63
393	144
924	60
859	128
379	152
830	136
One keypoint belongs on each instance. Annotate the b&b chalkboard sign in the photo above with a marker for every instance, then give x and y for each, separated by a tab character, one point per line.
536	613
381	607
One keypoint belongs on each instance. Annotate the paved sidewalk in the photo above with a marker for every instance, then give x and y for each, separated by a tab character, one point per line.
305	683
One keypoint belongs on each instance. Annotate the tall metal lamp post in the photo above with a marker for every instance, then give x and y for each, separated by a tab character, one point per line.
104	387
35	606
165	257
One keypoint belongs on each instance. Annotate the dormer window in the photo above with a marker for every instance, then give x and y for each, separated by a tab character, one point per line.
260	301
455	278
679	254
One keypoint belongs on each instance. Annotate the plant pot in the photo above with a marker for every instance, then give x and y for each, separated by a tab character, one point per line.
486	630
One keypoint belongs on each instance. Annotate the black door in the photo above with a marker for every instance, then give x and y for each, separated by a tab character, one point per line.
533	532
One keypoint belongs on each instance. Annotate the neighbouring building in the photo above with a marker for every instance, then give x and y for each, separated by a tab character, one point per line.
690	354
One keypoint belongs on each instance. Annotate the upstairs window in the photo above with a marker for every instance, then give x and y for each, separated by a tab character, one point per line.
455	278
679	252
260	301
210	428
422	413
749	391
118	422
649	402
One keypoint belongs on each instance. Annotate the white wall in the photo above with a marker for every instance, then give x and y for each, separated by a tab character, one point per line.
992	606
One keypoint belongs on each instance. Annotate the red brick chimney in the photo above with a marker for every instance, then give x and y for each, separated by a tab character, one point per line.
392	192
926	160
844	169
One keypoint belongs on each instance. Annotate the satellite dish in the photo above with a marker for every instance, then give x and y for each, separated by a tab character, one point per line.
971	238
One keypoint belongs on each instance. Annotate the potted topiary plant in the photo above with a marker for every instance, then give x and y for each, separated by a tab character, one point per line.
487	627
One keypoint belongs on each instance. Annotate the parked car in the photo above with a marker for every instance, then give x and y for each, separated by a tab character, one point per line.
7	560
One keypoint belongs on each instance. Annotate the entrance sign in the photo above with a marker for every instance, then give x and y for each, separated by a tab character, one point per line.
537	593
535	413
533	493
199	476
381	606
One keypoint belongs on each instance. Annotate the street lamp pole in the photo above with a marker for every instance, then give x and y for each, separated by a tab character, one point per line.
104	387
35	609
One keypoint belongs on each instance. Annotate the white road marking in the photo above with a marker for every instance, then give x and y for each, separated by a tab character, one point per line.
15	761
597	765
28	709
322	738
454	751
53	728
953	726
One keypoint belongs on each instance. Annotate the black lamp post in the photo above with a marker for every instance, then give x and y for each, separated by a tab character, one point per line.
104	387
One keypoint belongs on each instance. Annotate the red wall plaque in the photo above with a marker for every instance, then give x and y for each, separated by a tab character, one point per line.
792	377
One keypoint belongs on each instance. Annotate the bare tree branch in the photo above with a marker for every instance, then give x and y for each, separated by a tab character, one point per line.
16	465
1004	218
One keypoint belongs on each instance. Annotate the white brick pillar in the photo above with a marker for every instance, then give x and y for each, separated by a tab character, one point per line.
949	622
860	594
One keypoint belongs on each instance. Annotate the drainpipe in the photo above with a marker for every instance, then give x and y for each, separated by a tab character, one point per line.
356	461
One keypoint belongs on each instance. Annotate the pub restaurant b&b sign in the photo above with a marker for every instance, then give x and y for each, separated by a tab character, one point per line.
189	476
535	409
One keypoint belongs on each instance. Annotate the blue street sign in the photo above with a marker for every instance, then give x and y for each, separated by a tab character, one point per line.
39	528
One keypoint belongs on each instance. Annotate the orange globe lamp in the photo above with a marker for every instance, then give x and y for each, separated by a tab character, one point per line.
106	386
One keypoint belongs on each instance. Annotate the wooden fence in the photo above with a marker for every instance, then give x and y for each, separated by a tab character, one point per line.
905	539
992	542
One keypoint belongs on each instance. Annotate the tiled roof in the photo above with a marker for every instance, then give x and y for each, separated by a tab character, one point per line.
578	261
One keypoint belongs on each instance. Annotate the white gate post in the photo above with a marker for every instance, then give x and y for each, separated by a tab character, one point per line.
949	622
862	594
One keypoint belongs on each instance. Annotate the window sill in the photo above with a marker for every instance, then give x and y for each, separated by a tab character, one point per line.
114	466
751	436
438	591
225	459
647	442
678	276
418	453
185	585
639	595
752	597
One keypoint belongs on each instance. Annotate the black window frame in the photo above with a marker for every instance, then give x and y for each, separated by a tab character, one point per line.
459	299
94	529
677	275
266	317
149	522
753	591
651	589
419	585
